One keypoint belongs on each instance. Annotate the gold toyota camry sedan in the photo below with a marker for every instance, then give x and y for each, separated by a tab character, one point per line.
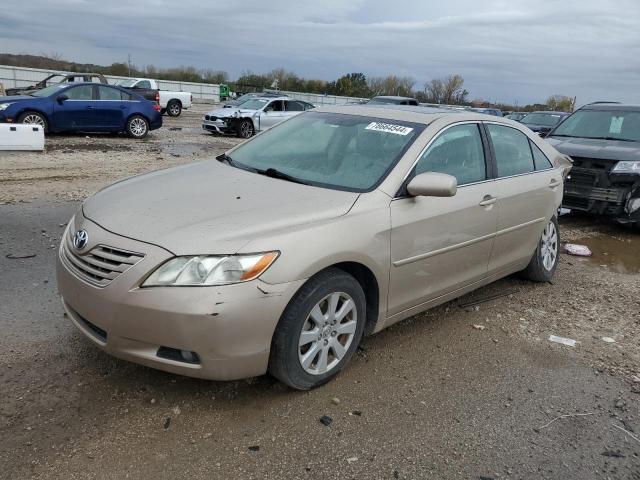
279	255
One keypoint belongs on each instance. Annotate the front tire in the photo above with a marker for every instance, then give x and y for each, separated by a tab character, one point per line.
174	108
34	118
319	330
545	259
137	127
245	129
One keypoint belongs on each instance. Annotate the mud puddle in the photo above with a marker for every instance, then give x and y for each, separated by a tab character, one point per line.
619	253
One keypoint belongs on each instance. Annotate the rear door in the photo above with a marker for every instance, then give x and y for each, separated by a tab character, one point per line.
527	188
77	112
111	107
439	245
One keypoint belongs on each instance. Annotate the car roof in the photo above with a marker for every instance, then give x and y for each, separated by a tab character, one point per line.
551	112
392	97
612	106
411	113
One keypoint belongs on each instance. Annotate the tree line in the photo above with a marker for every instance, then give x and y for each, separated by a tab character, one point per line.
448	90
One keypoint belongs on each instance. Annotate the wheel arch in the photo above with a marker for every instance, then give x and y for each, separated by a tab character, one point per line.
367	281
175	100
24	110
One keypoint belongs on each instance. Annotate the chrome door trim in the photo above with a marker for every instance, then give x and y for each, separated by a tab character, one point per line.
433	253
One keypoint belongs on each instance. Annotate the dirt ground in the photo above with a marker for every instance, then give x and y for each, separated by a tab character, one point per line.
472	389
74	166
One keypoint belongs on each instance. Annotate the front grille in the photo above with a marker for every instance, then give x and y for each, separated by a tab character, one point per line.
100	265
580	176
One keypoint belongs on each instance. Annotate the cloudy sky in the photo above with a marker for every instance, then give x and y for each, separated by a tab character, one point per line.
506	50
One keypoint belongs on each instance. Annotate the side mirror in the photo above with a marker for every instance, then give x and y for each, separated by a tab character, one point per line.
62	98
432	184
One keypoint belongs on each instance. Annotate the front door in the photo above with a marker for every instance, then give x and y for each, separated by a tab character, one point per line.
439	245
272	114
77	111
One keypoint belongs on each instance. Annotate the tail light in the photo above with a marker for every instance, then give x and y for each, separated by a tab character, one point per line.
156	107
191	98
158	98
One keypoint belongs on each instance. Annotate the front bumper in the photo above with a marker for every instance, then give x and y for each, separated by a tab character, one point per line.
218	126
598	191
224	333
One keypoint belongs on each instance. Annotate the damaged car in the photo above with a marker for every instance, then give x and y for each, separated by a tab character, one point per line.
252	116
279	256
603	140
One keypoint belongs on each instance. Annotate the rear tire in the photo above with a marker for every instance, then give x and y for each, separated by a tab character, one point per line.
34	118
319	330
545	259
245	129
174	108
137	127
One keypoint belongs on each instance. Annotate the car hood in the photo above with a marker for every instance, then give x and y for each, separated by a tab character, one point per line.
229	112
15	98
594	148
210	207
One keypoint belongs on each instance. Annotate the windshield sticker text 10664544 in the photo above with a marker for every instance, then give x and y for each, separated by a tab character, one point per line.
388	128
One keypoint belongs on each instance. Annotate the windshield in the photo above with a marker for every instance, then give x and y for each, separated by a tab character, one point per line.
253	104
623	125
50	90
544	119
344	152
127	83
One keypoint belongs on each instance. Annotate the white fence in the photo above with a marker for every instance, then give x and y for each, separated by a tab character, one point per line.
13	77
319	99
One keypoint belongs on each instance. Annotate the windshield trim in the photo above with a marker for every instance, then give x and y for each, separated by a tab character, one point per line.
419	129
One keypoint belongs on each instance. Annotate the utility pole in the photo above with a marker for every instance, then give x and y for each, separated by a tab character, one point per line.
129	63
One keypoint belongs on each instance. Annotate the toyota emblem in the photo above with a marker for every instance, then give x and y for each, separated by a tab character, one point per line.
80	239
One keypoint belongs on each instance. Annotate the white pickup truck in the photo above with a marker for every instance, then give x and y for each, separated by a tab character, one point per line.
170	102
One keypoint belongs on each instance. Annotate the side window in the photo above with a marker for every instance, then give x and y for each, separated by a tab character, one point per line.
106	93
293	106
512	151
143	84
457	151
275	106
540	160
82	92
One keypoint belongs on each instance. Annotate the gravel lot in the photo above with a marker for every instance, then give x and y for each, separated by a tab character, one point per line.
464	391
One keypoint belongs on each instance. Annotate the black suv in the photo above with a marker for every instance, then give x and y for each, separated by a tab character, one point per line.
603	139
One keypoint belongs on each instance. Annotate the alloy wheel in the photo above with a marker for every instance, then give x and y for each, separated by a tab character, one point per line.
549	246
327	333
138	127
34	120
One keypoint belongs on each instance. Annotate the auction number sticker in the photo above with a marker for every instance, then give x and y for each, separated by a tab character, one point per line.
389	128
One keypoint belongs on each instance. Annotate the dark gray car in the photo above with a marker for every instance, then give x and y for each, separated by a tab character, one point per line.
604	142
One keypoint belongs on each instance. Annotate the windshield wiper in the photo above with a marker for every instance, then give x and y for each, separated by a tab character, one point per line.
224	158
274	173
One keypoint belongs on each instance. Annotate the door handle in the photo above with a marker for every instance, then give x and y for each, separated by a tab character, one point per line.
554	183
123	107
488	200
89	108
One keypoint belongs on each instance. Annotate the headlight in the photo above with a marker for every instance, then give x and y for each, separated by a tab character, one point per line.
627	167
208	270
4	106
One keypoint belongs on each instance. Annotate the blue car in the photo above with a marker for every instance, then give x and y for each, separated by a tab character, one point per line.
83	107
